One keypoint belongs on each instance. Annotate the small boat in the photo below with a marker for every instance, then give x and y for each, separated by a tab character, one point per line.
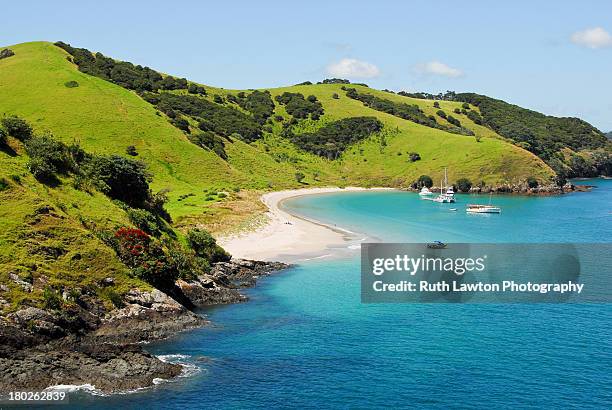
483	209
425	192
453	209
436	245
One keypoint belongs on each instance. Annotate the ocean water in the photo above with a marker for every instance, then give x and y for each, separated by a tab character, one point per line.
305	340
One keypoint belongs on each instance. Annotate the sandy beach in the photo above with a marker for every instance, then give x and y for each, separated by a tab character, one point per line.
288	238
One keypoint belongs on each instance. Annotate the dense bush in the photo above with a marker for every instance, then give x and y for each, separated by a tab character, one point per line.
299	177
532	182
211	141
335	96
453	121
436	104
120	178
414	156
224	121
146	258
259	104
71	84
2	137
441	114
300	107
335	81
424	181
410	112
131	151
181	123
464	184
196	89
331	140
474	116
145	221
545	134
205	246
127	75
17	127
48	157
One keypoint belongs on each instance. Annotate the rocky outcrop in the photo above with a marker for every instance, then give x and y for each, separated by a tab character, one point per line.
88	344
225	280
523	189
146	316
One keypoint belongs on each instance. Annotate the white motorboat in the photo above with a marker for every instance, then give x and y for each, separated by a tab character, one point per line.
425	192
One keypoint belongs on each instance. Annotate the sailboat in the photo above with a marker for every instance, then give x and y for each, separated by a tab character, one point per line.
448	196
483	209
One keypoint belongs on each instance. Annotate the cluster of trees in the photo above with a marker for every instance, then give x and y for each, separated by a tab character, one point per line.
125	74
545	133
331	140
5	53
410	112
447	96
300	107
222	120
210	140
258	103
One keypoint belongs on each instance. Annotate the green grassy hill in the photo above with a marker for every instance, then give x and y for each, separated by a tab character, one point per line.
106	118
52	236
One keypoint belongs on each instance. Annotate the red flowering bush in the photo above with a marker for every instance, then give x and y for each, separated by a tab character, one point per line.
146	257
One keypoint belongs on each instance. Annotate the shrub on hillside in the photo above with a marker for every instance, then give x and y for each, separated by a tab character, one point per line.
414	156
331	140
259	104
453	121
17	127
299	107
71	84
441	114
335	96
2	137
146	258
436	104
120	178
131	151
145	220
209	140
532	182
464	184
424	181
48	157
223	120
205	246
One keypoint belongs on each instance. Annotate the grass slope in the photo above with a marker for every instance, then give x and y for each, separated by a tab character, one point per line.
106	118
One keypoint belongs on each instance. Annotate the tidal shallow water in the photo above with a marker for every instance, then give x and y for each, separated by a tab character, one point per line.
306	340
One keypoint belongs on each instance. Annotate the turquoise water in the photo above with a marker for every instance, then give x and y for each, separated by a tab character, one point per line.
305	340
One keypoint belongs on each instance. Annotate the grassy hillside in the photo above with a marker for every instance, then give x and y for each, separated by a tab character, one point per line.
106	118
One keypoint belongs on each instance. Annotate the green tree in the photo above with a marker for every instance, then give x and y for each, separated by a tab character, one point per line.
299	177
464	184
424	181
17	127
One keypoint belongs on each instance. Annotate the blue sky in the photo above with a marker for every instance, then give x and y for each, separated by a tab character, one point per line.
551	56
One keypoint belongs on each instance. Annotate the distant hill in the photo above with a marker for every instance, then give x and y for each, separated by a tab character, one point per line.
609	135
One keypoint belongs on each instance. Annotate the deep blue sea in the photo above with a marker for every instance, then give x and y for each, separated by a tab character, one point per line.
305	339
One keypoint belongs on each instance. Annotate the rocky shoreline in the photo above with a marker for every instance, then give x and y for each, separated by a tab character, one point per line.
88	344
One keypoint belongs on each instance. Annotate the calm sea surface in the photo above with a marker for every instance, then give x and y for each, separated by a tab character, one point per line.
305	340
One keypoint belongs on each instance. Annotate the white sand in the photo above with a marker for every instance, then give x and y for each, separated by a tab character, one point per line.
289	238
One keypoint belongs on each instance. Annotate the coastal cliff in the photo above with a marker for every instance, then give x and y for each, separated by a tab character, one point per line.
91	345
